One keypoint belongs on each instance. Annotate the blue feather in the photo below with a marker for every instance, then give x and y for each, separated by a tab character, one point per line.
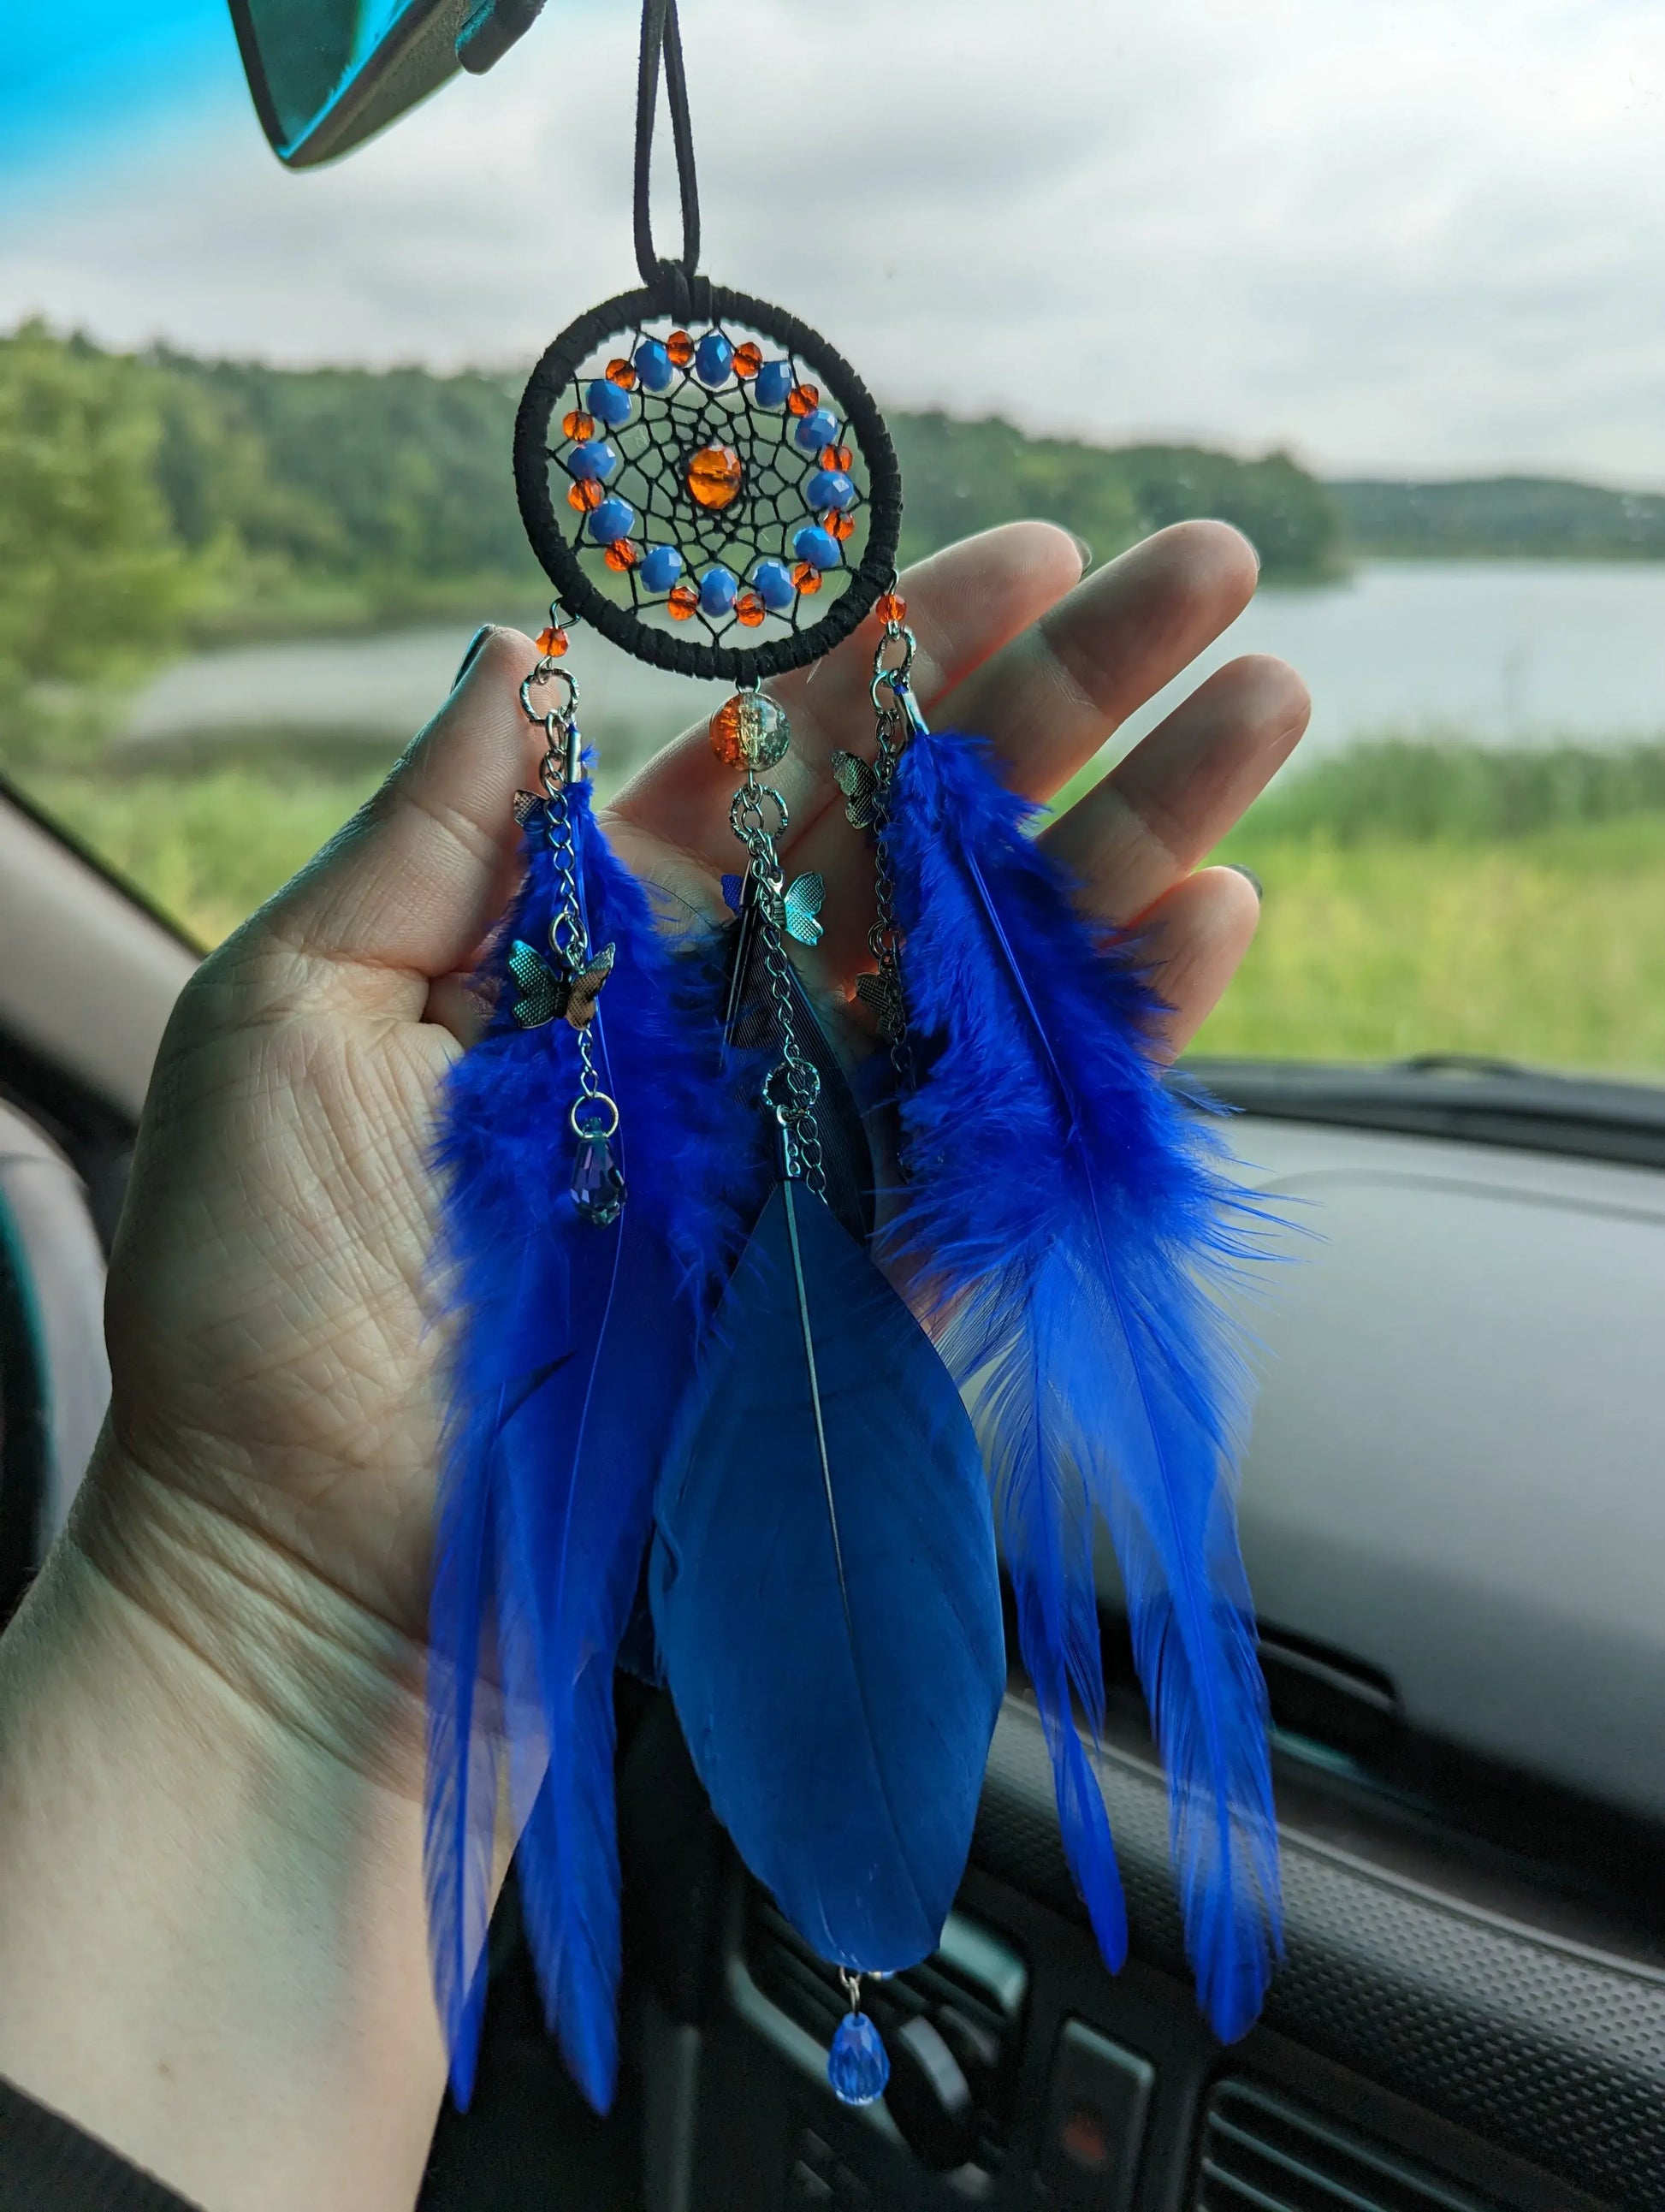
826	1596
571	1345
1068	1223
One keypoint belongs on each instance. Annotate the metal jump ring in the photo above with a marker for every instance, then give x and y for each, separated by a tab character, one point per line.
747	805
581	1109
545	673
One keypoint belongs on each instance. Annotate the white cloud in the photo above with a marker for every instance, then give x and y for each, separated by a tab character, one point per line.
1423	236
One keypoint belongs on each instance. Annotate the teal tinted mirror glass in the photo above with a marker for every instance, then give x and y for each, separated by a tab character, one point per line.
310	52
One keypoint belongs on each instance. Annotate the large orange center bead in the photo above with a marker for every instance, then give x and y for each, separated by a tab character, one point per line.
713	477
749	731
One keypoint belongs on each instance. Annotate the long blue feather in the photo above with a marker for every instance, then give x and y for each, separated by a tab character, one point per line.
572	1344
825	1593
1068	1223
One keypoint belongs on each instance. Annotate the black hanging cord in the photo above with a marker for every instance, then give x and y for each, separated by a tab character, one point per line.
661	39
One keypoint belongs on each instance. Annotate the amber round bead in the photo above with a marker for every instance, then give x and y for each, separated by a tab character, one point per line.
714	477
836	457
807	579
749	731
620	373
551	642
803	398
748	359
680	347
579	425
622	554
749	609
585	494
841	525
683	602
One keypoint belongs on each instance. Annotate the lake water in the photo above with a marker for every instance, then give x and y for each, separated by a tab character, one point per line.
1504	651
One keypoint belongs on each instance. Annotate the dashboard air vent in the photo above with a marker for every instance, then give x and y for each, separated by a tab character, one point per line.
1260	2154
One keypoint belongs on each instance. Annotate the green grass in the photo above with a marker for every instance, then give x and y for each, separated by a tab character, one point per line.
1418	898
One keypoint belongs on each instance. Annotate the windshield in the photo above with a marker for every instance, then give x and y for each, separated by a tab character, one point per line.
1380	289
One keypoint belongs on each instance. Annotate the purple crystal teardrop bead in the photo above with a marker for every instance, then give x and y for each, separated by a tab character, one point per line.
857	2065
597	1187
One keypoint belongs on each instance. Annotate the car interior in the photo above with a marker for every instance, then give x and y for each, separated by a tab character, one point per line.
1452	1516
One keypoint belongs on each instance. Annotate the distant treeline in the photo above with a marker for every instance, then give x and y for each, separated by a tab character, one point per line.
144	497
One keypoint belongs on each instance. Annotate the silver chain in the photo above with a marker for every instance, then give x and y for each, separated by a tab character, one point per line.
896	717
594	1113
792	1086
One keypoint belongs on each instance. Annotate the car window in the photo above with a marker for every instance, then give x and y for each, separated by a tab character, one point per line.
1379	289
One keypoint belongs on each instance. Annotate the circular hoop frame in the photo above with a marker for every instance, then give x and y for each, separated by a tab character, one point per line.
559	366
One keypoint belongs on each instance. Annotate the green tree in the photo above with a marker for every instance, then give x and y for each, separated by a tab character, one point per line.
92	576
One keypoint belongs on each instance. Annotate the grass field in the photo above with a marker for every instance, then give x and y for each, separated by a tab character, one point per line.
1418	898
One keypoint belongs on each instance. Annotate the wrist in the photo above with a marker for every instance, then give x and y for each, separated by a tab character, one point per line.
212	1933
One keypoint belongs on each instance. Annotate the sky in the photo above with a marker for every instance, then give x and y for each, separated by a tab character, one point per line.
1401	236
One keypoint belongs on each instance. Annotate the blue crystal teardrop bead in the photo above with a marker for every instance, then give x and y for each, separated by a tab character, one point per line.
857	2065
597	1187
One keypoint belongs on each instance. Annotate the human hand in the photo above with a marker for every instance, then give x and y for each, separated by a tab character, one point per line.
261	1515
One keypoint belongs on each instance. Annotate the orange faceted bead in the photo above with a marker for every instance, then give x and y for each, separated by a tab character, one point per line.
680	347
891	608
803	398
713	477
748	359
577	424
620	372
551	642
750	609
836	457
585	494
684	601
806	578
841	526
622	554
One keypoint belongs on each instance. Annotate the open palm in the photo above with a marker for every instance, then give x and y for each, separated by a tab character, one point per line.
276	1413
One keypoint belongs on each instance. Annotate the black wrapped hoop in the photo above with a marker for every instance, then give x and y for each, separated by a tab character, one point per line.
678	298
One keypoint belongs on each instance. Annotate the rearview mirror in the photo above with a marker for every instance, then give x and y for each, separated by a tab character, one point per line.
326	74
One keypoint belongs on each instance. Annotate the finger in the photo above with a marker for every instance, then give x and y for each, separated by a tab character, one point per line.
1055	696
1195	939
1049	700
406	892
963	604
1169	803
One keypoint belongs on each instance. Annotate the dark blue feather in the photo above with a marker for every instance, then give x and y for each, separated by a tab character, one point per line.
826	1594
571	1345
1069	1223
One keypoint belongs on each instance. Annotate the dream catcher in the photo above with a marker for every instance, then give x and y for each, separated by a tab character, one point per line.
680	1366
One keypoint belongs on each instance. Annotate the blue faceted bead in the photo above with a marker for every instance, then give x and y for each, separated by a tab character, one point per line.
608	403
812	543
654	366
772	581
772	383
718	590
819	429
613	519
660	568
830	487
857	2065
598	1186
597	462
714	359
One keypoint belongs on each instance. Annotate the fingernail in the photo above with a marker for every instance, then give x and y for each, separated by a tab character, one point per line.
484	631
1083	550
1249	878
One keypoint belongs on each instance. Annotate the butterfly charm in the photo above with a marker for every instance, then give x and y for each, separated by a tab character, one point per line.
859	781
797	909
549	992
881	993
526	803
